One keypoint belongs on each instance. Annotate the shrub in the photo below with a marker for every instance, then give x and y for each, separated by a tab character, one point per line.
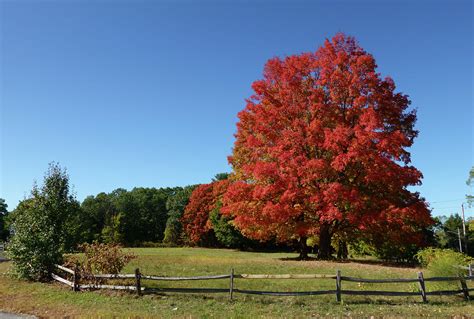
103	258
401	253
360	248
443	262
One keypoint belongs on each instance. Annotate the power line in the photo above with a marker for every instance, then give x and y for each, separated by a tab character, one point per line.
445	201
449	208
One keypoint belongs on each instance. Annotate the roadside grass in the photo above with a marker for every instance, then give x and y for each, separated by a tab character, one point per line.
51	299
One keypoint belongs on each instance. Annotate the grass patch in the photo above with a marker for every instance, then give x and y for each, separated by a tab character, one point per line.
45	300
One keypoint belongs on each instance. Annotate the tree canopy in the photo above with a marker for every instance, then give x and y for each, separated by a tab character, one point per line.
39	226
4	231
322	148
470	183
126	217
176	205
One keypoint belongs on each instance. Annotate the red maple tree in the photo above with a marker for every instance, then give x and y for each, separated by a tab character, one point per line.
321	149
203	200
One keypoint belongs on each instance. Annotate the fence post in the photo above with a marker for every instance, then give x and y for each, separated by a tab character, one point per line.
470	270
231	289
75	279
465	291
137	281
422	286
338	286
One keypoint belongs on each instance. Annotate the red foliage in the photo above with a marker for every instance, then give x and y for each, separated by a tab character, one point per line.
203	200
323	141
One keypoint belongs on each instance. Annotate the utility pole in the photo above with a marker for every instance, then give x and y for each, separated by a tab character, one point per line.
459	237
464	228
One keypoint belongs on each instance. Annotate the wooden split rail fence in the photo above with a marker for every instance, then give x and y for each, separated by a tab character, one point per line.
74	283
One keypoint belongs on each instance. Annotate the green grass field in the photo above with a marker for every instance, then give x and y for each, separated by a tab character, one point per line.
46	300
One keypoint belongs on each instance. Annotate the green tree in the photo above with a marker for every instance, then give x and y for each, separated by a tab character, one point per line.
39	226
447	234
470	183
126	217
4	230
224	230
142	215
221	177
97	211
101	218
223	226
75	230
175	205
450	227
152	211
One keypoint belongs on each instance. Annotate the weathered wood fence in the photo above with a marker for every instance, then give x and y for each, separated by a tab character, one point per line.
74	283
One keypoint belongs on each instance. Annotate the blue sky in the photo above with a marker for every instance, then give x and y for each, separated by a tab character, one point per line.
145	93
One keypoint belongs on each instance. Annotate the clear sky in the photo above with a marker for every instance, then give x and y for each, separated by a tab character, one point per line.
146	93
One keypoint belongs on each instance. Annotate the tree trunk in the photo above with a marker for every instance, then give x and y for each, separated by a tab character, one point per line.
345	251
339	249
342	250
303	249
324	242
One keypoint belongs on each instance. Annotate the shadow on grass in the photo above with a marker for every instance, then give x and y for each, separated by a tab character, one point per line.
379	302
267	300
298	259
363	261
376	262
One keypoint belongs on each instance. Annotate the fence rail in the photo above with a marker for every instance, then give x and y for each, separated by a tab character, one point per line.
339	291
380	281
302	276
185	278
113	287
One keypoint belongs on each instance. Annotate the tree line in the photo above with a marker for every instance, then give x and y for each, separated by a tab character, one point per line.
175	216
137	217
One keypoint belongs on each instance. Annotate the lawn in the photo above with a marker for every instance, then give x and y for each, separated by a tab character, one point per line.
52	299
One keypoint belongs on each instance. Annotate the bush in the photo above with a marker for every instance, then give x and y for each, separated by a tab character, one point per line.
103	259
361	248
401	253
443	262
